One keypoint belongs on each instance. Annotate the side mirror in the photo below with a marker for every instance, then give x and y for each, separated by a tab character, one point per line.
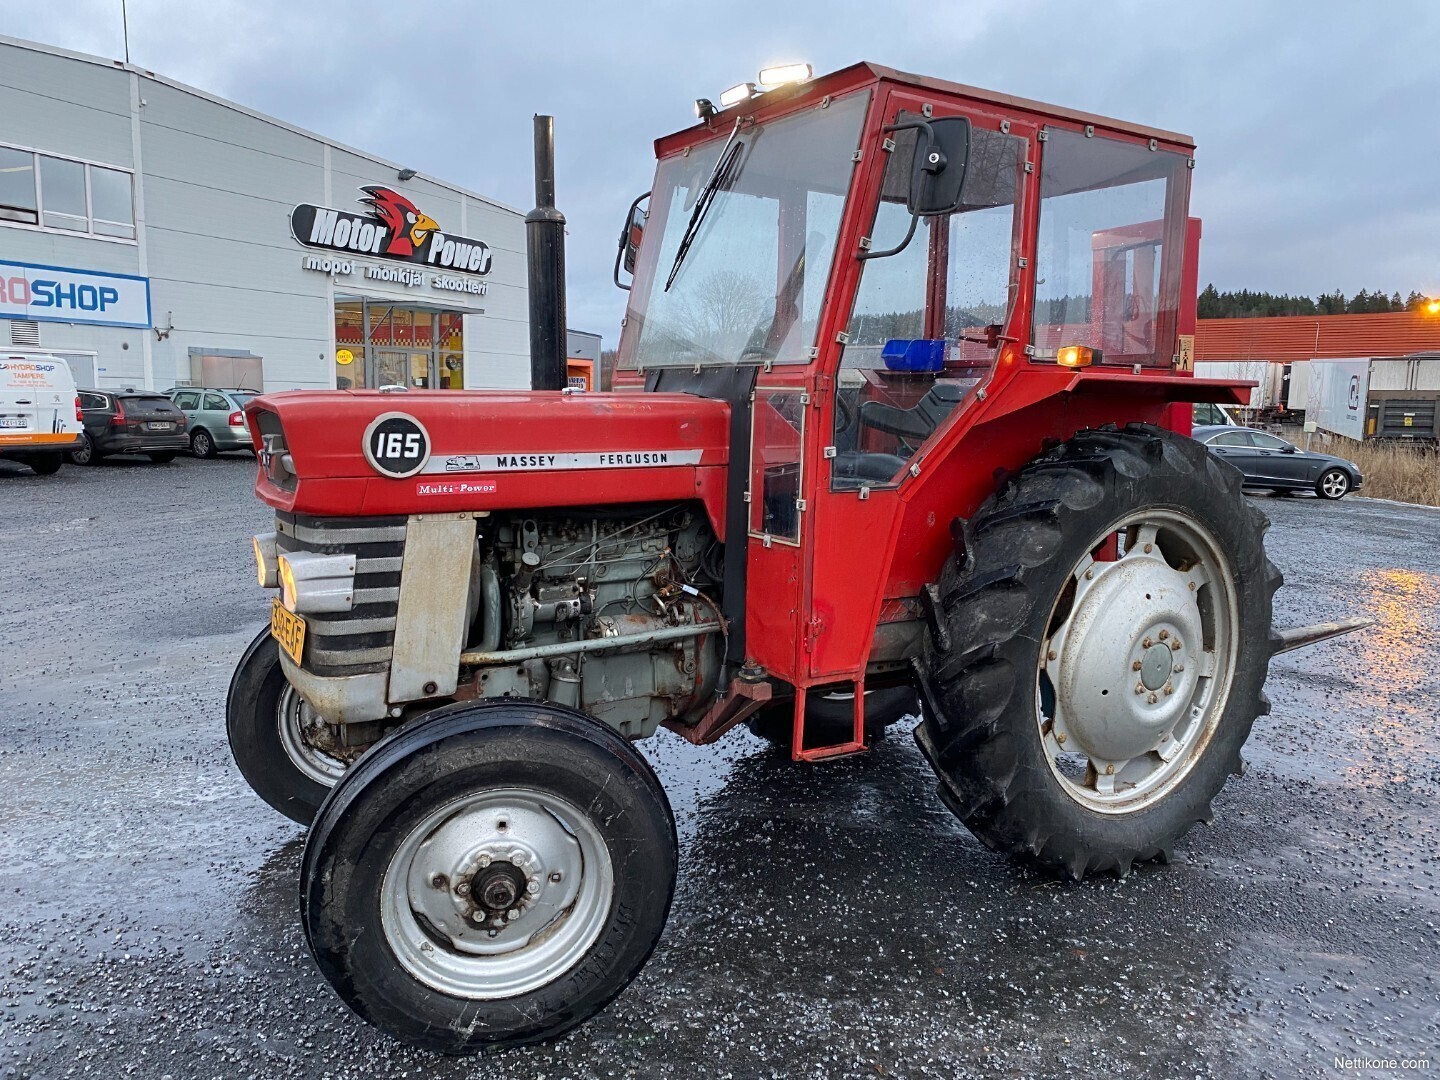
937	174
1290	448
630	236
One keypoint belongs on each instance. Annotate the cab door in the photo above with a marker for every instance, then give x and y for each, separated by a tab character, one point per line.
923	331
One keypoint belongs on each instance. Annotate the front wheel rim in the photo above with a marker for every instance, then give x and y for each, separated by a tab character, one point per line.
293	717
1137	663
1335	484
497	894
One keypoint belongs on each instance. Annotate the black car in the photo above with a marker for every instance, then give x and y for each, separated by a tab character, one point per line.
129	422
1268	461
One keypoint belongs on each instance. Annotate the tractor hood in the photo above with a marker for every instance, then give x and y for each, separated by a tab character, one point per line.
367	453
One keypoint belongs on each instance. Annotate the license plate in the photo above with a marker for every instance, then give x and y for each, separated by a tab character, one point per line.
159	425
287	629
13	422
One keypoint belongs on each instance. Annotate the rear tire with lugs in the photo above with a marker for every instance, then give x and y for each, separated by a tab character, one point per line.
1103	640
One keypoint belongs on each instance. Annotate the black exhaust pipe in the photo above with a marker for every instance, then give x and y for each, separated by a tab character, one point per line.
545	251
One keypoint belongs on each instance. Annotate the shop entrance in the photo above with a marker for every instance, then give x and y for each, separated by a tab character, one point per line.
378	343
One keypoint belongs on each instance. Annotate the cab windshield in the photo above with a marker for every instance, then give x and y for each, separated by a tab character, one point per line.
749	284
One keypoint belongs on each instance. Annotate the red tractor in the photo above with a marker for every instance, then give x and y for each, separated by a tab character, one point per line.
908	368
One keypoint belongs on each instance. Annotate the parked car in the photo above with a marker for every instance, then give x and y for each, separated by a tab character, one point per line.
39	411
216	418
129	422
1268	461
1208	412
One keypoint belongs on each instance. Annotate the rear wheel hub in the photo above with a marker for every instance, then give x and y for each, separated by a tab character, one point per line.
1138	662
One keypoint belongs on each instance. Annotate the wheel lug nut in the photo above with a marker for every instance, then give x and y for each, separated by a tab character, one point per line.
463	888
484	861
517	857
1175	645
1152	699
1139	688
1136	666
512	914
1179	668
1060	737
1164	635
533	887
1169	689
478	917
1147	643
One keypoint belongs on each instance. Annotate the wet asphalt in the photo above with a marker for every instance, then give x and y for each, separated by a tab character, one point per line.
831	920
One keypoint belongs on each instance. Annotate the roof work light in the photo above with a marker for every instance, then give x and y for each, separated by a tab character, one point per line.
782	74
736	94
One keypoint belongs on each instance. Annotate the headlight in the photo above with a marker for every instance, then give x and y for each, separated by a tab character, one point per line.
266	570
312	582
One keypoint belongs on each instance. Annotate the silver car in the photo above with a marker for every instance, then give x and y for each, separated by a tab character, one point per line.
214	418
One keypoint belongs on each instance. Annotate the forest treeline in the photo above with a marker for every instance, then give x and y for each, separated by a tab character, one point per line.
1246	304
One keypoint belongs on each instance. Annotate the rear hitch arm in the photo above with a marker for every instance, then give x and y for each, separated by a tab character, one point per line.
1311	635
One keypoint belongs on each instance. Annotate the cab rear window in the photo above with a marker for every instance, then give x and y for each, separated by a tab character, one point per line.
155	404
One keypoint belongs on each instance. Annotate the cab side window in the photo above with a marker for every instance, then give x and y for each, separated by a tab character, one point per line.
1232	438
92	402
187	400
924	330
216	403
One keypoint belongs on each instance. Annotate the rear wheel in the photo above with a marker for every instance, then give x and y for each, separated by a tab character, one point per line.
45	464
85	453
1333	484
269	726
1106	639
162	457
491	875
829	718
201	444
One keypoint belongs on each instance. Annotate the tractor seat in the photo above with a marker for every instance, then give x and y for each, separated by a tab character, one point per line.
859	468
918	422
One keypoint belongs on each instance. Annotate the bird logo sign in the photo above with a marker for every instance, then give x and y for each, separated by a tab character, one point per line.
393	228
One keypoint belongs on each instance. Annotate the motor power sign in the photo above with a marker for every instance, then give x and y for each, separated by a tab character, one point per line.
60	294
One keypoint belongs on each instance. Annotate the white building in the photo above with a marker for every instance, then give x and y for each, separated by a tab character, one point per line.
156	235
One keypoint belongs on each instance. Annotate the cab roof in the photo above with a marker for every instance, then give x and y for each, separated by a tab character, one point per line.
857	75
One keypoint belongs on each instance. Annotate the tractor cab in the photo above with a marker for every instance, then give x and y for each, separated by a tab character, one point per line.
873	267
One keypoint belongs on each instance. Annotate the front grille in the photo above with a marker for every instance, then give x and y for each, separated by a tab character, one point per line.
359	640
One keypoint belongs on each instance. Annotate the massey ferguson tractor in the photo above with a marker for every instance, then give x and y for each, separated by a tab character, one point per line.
903	431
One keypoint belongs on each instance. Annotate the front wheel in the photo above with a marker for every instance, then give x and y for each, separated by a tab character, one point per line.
85	453
491	875
1334	484
1105	637
271	732
201	444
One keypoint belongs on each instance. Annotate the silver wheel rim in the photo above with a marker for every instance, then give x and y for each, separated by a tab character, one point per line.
497	894
202	444
1137	663
294	717
1335	484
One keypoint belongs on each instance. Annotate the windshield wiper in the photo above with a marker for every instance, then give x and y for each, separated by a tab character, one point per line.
729	154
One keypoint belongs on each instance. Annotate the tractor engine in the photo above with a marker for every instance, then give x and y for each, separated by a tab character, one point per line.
633	588
608	610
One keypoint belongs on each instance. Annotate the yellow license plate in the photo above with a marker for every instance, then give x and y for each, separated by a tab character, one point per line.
287	629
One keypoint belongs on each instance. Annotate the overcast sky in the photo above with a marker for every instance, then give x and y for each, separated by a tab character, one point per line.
1318	164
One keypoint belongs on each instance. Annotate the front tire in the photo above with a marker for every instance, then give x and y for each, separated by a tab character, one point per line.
491	875
85	453
201	444
1333	484
266	721
1105	637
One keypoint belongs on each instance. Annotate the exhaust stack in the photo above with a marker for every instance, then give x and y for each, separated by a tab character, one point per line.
545	256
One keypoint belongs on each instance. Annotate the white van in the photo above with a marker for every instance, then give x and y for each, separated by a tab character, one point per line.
39	411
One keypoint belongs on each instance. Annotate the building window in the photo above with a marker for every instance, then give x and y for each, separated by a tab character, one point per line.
17	187
61	193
